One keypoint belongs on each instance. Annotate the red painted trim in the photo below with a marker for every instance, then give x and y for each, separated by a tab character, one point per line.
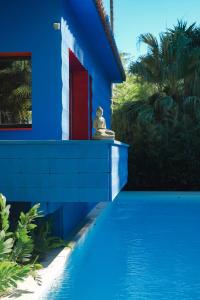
15	54
14	129
70	103
80	113
90	104
75	64
79	99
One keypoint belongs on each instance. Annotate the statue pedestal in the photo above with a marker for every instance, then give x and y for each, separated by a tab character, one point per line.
103	138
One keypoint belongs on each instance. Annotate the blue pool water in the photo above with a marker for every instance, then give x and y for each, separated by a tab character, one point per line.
145	246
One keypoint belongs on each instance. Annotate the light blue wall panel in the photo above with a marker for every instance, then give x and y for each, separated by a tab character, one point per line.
53	150
55	171
119	168
62	171
66	177
55	194
51	166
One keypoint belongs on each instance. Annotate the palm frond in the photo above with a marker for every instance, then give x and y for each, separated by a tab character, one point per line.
150	40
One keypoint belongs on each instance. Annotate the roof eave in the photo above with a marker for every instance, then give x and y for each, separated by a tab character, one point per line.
110	36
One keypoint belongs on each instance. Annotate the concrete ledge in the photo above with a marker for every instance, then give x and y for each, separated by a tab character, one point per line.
61	142
54	264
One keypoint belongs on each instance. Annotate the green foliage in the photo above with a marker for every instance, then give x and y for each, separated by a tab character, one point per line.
165	143
4	214
23	242
133	88
10	274
16	248
43	239
163	128
6	245
6	242
15	90
173	62
21	249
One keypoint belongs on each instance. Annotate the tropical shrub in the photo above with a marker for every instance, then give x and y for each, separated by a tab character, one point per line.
16	248
165	144
10	274
133	88
23	247
173	62
163	128
44	240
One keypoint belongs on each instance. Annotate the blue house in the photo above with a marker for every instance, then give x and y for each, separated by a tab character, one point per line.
58	60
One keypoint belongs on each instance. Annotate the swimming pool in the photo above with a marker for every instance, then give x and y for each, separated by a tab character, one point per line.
145	246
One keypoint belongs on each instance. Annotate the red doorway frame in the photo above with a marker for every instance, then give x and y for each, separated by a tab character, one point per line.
80	104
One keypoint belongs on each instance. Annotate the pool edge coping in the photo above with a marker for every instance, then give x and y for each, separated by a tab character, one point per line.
29	288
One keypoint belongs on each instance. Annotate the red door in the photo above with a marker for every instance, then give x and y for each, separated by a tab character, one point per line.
80	101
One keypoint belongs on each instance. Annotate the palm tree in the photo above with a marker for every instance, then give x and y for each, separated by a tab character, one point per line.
173	61
163	129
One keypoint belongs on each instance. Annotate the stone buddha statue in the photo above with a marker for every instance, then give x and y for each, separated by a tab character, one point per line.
100	125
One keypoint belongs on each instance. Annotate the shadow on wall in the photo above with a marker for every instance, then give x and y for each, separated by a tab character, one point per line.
68	217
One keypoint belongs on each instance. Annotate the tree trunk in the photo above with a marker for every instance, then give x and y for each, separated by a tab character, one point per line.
112	15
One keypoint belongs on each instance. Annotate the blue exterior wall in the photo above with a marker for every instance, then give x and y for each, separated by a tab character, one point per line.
27	26
72	215
75	38
66	217
62	171
67	177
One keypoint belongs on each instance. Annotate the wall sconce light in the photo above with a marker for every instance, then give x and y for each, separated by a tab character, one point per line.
56	26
